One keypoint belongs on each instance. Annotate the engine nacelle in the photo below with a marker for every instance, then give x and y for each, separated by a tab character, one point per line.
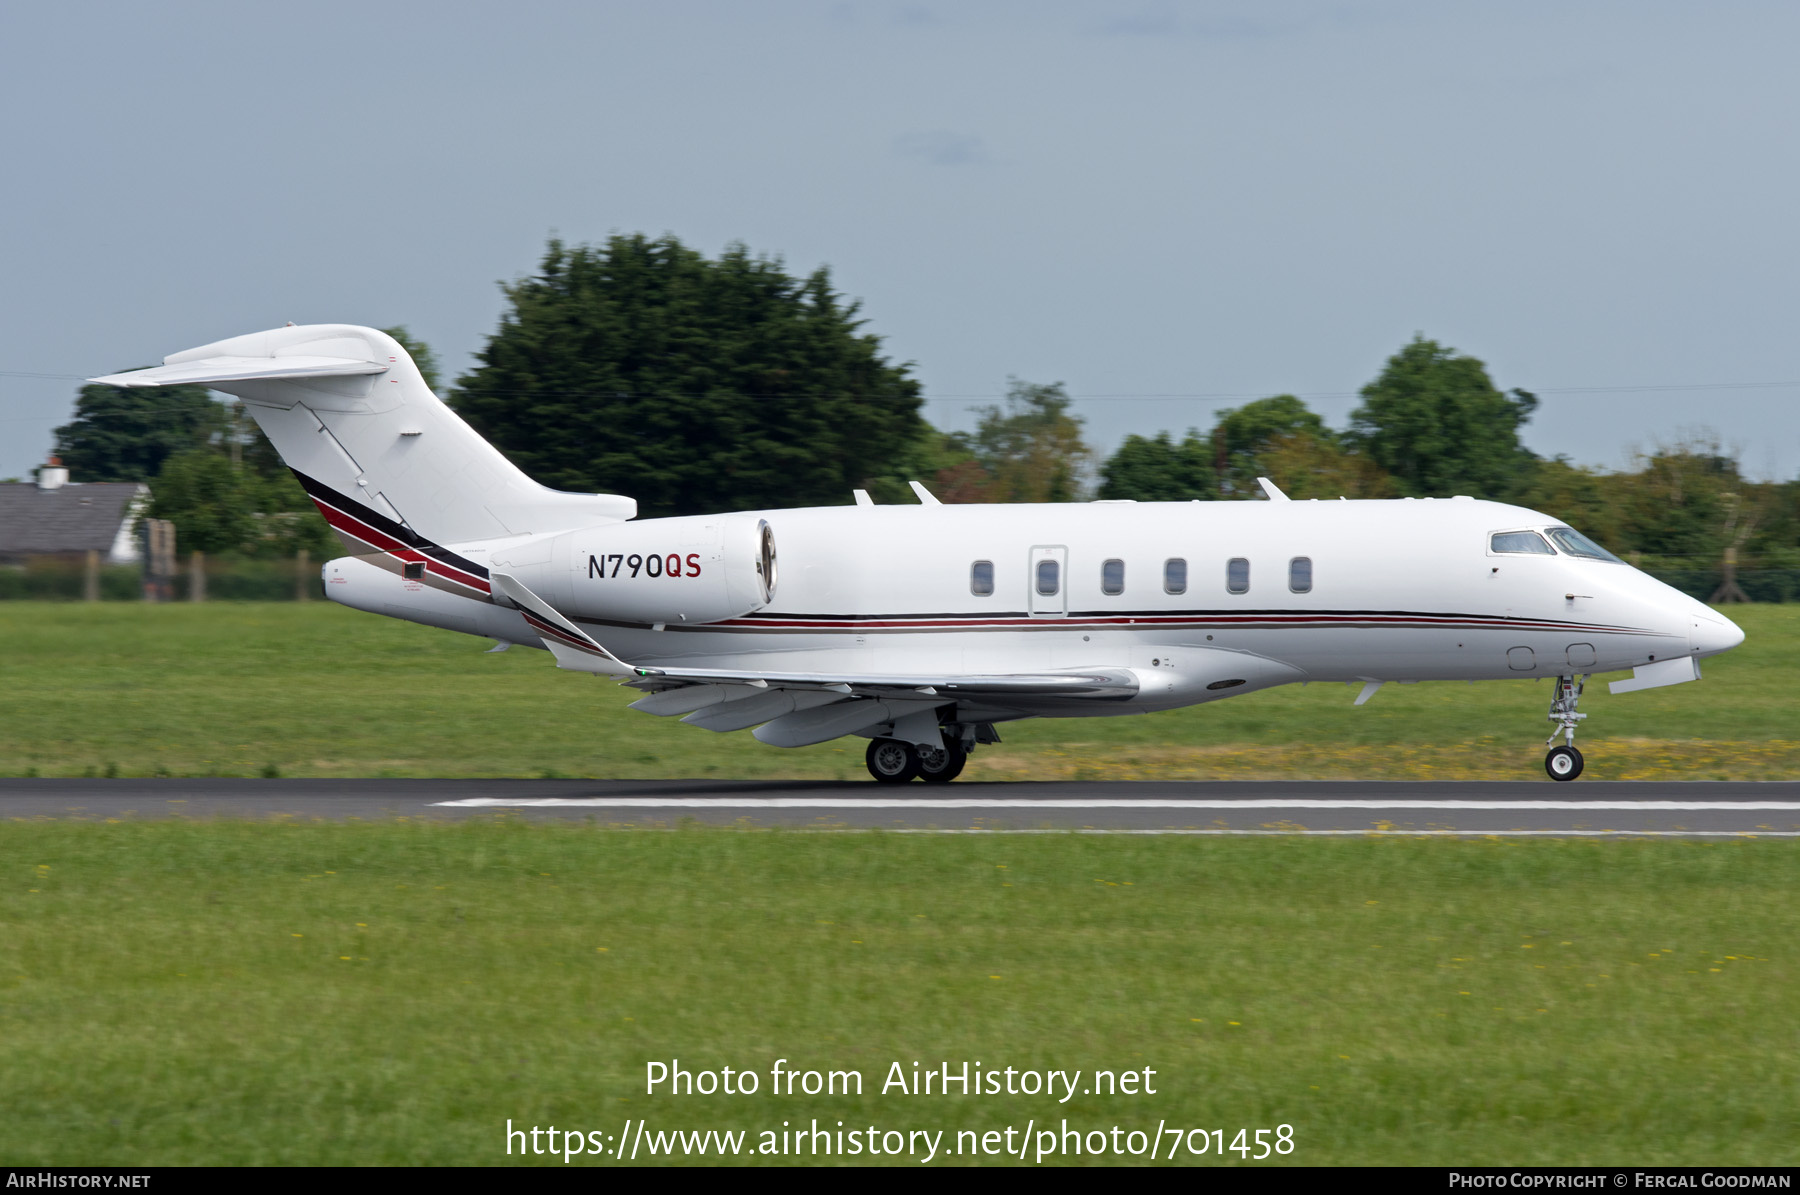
700	568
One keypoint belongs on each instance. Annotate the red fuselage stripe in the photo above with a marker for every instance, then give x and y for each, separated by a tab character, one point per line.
1320	620
384	542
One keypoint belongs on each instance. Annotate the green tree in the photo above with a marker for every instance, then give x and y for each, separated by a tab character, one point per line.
1249	427
125	433
1031	449
1588	500
1156	469
1436	422
212	504
220	507
1691	500
642	367
943	460
1306	466
1245	433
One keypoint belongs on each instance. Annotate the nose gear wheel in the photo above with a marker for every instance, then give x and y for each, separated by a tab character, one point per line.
1565	762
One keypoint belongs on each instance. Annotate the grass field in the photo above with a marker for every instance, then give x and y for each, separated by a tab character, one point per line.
187	992
308	993
318	690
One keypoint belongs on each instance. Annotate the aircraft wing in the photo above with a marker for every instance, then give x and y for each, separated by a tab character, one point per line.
800	708
793	709
1104	682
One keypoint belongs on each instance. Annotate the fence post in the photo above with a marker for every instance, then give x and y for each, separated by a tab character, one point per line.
197	577
90	577
159	560
302	566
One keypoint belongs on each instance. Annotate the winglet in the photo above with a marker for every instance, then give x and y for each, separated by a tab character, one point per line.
926	497
1273	491
571	646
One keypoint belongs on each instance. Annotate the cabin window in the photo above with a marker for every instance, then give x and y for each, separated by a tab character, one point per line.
1300	574
1175	575
1528	542
1237	575
1049	578
981	578
1576	544
1112	577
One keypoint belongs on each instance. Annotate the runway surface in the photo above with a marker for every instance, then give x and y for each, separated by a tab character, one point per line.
1290	807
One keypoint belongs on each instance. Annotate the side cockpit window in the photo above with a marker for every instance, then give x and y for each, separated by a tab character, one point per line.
1574	543
1525	543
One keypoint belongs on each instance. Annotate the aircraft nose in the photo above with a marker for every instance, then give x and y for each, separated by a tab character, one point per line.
1713	633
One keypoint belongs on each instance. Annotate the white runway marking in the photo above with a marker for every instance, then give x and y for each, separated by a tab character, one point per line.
1127	803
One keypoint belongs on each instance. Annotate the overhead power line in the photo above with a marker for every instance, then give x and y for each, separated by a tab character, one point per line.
1120	396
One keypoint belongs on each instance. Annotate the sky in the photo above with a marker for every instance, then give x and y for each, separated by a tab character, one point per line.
1168	207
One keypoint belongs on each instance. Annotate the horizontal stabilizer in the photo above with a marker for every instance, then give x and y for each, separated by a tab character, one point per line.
242	369
571	646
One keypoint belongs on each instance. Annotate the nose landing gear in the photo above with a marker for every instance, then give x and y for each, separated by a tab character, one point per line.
1565	762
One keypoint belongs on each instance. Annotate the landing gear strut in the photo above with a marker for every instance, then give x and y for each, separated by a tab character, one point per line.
1565	762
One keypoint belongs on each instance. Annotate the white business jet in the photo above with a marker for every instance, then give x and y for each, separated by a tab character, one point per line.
923	627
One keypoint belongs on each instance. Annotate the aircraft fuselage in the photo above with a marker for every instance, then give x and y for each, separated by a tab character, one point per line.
1395	590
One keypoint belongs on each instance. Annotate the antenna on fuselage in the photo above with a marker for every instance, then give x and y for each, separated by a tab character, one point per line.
1274	492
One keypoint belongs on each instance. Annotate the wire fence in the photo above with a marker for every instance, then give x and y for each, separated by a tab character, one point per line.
1759	585
218	579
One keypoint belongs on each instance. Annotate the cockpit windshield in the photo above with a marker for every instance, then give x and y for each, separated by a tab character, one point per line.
1528	543
1574	543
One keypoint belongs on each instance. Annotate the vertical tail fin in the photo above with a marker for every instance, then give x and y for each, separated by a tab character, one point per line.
350	414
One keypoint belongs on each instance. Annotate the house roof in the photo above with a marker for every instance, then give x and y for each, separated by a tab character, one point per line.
70	518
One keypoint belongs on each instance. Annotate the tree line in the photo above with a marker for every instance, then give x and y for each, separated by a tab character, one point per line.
694	384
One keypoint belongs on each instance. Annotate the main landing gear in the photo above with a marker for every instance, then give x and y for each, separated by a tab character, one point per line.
1565	762
894	762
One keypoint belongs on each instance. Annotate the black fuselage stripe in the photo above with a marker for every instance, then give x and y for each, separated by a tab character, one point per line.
320	492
